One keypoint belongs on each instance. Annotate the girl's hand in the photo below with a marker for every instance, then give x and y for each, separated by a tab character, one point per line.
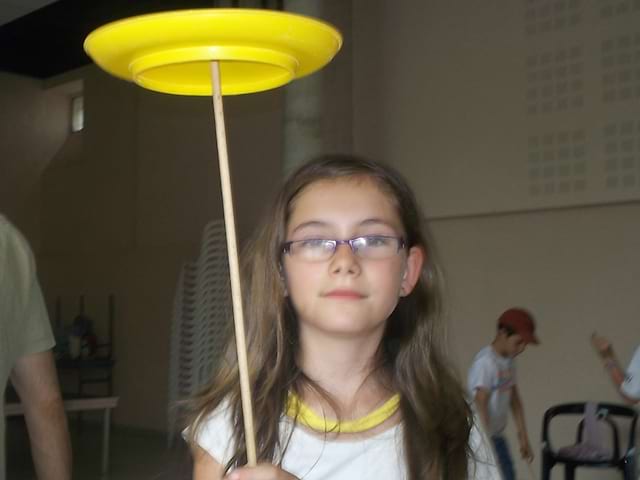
263	471
601	344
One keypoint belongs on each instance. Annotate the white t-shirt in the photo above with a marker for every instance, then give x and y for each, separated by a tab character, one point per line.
497	375
310	457
631	385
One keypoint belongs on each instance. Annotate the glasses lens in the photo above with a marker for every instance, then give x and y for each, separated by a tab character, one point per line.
312	250
370	246
376	247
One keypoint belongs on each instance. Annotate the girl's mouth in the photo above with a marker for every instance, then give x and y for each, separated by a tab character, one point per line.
344	293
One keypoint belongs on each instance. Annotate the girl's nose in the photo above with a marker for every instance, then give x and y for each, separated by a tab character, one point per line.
344	260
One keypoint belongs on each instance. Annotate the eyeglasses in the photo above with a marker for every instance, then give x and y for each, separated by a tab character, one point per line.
370	247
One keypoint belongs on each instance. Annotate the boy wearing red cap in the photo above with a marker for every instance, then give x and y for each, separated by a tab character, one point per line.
492	385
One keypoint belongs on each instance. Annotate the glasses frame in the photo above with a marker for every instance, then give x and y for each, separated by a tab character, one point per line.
286	246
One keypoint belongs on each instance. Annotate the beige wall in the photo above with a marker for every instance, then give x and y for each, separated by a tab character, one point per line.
440	89
33	127
118	207
123	204
455	94
576	269
463	96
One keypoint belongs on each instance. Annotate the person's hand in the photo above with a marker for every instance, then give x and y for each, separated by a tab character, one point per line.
263	471
525	449
601	344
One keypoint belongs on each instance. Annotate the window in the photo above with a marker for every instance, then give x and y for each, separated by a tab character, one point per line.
77	113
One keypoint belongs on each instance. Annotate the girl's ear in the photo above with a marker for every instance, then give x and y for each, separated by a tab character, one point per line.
415	260
283	280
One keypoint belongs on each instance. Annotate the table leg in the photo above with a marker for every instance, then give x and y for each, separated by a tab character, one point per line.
106	431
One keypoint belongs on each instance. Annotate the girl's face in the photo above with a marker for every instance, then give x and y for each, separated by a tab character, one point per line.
347	295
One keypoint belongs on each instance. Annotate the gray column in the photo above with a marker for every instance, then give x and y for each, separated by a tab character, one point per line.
317	112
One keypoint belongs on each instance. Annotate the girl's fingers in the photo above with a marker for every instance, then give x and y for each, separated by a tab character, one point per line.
264	471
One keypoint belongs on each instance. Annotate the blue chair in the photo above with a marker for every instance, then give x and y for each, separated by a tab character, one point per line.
625	462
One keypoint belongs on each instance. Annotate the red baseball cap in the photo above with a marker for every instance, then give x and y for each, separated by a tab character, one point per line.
521	322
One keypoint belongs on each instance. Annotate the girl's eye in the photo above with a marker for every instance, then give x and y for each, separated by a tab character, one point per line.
377	241
313	243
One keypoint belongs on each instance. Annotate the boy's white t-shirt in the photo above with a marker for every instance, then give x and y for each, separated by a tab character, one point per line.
310	457
497	375
631	385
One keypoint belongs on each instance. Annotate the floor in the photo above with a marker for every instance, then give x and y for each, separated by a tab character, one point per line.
135	454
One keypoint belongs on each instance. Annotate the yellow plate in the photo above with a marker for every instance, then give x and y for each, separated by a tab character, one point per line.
171	52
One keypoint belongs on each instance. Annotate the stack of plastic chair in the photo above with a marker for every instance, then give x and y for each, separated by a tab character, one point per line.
201	318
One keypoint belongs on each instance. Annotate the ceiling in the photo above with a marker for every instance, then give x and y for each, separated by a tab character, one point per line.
43	38
12	9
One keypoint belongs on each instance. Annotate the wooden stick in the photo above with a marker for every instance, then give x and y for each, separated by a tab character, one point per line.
234	269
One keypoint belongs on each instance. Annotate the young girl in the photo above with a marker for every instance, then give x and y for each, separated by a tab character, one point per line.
346	344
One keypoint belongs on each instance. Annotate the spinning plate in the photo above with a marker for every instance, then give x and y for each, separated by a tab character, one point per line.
171	52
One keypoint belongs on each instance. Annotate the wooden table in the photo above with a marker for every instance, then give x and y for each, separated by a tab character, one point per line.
81	405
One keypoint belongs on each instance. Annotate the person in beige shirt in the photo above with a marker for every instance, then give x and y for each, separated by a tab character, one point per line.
25	357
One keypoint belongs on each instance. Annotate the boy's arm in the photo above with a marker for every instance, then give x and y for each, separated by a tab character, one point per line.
518	414
481	399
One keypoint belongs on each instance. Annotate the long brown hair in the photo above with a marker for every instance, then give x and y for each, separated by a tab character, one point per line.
436	417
